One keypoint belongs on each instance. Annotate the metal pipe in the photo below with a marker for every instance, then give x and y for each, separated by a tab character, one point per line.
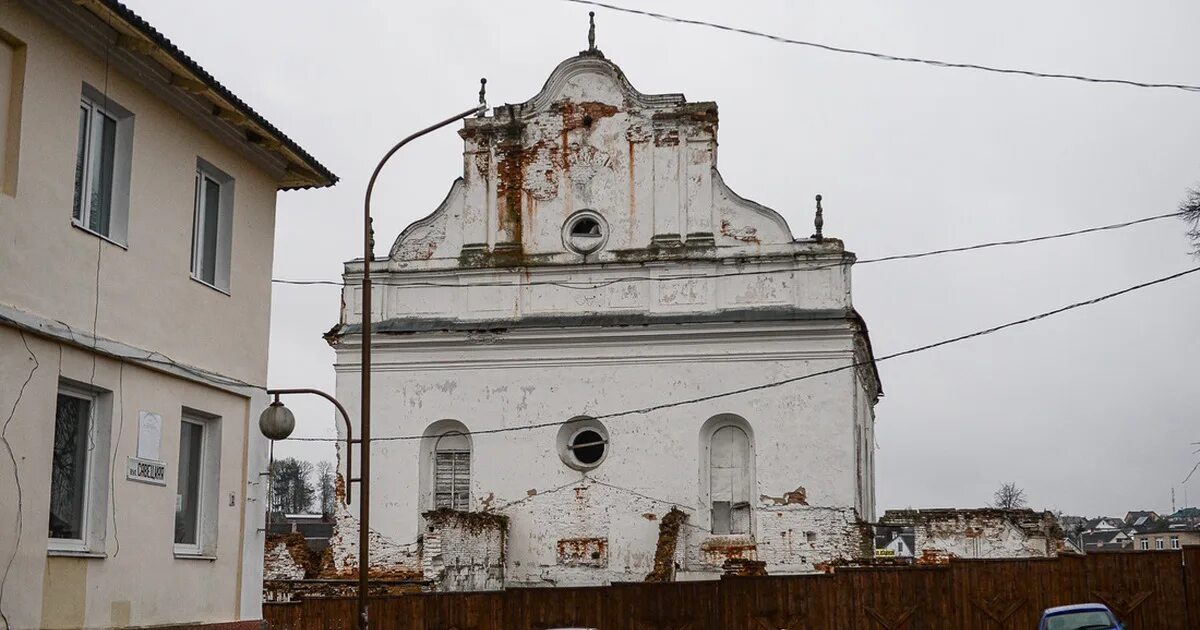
345	418
364	505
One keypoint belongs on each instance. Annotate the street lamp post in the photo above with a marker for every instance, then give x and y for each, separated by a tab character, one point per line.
364	506
277	422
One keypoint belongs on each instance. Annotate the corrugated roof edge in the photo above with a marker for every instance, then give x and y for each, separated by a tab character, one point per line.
139	23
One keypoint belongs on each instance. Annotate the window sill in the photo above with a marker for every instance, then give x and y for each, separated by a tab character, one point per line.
79	226
211	286
75	553
184	555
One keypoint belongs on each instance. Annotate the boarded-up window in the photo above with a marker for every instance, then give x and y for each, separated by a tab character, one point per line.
729	480
452	472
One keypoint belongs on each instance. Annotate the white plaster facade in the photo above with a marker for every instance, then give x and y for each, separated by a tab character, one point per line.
121	317
491	313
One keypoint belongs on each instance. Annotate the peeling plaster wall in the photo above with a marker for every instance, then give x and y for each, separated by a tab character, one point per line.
984	533
495	344
389	557
464	551
803	435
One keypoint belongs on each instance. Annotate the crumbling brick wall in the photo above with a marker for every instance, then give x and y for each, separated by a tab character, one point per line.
980	533
287	557
464	551
389	558
791	538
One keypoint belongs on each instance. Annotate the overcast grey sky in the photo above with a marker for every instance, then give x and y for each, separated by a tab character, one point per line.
1091	412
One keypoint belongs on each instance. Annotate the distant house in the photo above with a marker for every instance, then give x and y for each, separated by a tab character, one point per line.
1104	523
1188	515
1141	518
1163	534
1106	540
894	542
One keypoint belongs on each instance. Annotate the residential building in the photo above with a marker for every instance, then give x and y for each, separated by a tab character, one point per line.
1185	515
1140	518
137	213
1164	534
592	273
1106	540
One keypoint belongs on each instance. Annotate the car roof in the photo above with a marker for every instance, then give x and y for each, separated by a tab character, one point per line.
1075	607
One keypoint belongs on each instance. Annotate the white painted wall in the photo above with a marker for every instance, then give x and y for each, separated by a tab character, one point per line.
53	274
471	329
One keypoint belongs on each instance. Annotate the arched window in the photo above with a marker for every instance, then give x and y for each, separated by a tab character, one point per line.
730	478
445	467
452	472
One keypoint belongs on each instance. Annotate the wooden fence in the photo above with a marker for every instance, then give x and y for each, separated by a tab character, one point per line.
1154	590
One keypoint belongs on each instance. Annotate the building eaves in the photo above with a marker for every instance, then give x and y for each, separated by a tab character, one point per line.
408	326
303	170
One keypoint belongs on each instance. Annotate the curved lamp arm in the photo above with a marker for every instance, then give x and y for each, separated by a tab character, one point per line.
345	418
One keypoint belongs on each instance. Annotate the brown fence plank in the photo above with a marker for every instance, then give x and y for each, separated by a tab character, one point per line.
670	606
894	598
1191	579
1145	589
541	608
1158	589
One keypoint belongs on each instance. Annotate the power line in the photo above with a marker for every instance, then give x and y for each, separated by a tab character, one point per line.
888	57
866	261
20	527
849	366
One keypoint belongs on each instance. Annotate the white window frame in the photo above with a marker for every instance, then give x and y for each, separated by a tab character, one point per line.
1145	544
95	484
570	430
1158	543
224	238
1175	542
208	489
96	102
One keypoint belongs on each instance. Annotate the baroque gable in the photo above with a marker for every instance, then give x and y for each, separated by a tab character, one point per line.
640	168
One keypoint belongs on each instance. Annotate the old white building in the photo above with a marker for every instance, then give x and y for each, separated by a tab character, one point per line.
590	265
137	227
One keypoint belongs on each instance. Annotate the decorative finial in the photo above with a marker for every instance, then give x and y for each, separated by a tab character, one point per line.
482	98
591	31
819	221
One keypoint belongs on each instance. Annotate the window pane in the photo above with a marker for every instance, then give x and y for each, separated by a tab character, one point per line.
103	152
187	493
729	480
452	480
80	162
68	475
208	245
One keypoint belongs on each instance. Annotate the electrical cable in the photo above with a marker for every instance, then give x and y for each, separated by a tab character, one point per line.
112	469
852	365
92	411
888	57
16	478
866	261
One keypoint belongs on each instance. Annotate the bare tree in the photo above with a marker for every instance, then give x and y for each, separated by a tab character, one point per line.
1190	209
1009	497
325	492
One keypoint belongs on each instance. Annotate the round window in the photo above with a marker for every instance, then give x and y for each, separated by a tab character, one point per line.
583	443
585	232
